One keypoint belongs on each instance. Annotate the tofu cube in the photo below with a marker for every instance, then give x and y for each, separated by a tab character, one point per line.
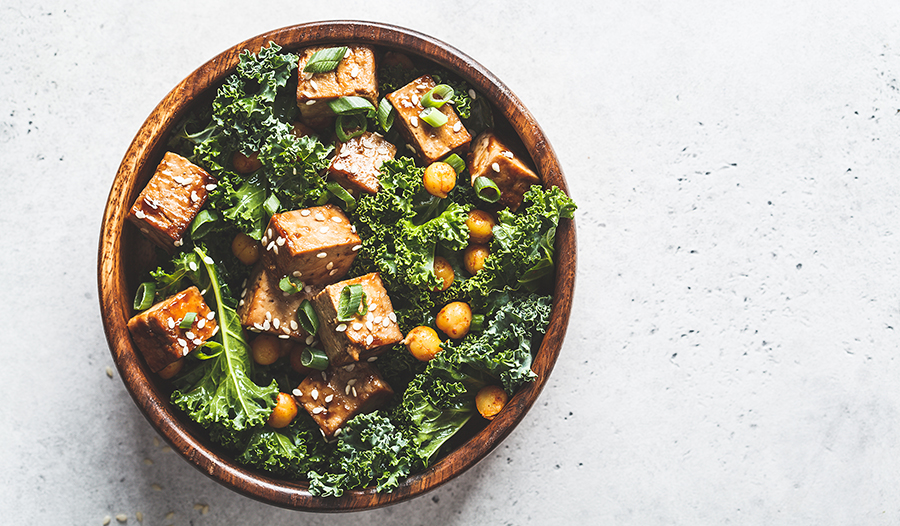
157	332
363	337
265	308
316	245
492	159
356	162
431	144
334	396
170	201
355	75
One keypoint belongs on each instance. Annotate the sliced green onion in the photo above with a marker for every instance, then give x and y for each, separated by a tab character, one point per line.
145	295
351	106
437	97
486	190
314	359
290	284
385	115
202	224
271	205
477	323
187	321
341	193
355	122
216	348
352	302
433	117
307	318
325	60
456	162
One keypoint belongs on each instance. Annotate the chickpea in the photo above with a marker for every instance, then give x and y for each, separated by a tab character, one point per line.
490	400
172	369
444	271
285	411
474	256
423	343
245	248
296	364
481	226
265	349
245	164
454	319
439	179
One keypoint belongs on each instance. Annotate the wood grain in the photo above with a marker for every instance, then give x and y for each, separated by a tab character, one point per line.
123	256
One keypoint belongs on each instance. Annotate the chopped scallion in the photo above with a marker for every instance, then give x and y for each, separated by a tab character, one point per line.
385	115
355	122
341	193
433	117
188	320
486	190
456	162
290	284
271	205
325	60
307	318
437	97
145	295
215	347
351	106
352	302
314	359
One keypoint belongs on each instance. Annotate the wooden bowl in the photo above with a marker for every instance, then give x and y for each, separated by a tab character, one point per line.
123	259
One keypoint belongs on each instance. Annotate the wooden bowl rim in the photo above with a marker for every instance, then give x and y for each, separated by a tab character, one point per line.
115	298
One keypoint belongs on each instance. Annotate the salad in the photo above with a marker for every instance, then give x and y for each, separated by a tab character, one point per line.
358	261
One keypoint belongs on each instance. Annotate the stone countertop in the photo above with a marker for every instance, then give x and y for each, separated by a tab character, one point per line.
732	354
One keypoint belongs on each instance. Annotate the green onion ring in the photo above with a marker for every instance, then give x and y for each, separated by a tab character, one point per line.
486	190
385	115
349	303
307	318
437	96
456	162
314	359
325	60
187	321
433	117
146	293
357	121
341	193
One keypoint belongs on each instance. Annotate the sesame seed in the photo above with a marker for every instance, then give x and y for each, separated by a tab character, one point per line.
194	196
257	325
357	326
472	94
323	230
378	319
285	329
198	341
341	328
351	381
336	219
329	398
347	390
320	216
276	323
211	315
357	247
269	315
264	240
307	289
144	230
330	265
106	520
317	410
109	372
349	368
310	339
269	233
284	336
324	377
121	517
275	250
297	274
314	84
333	272
370	326
211	187
190	335
266	325
314	394
386	322
170	515
271	246
310	102
506	153
304	212
294	325
354	391
193	266
372	359
369	339
414	121
414	98
279	241
201	323
297	392
140	214
495	167
182	342
393	317
353	228
185	351
241	303
348	53
321	255
171	323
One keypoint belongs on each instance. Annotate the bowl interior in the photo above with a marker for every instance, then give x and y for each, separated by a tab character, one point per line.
124	256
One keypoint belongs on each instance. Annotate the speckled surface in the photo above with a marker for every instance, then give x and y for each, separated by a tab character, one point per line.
732	356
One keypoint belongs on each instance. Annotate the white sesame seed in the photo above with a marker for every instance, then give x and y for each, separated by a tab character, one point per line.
178	243
320	216
370	326
185	351
357	326
372	358
310	102
353	228
369	339
297	392
354	391
457	127
414	98
285	329
321	255
506	153
336	219
341	328
198	341
472	94
211	315
323	230
194	196
264	240
310	339
257	325
109	371
330	265
144	230
140	214
393	317
241	303
314	394
317	410
270	246
386	322
208	260
294	325
269	315
279	241
171	323
347	390
106	520
266	325
275	250
211	187
351	381
357	247
269	233
193	266
329	398
333	272
349	368
348	53
378	319
201	323
414	121
495	167
297	274
284	336
182	342
324	377
337	431
276	323
190	335
121	517
304	212
307	289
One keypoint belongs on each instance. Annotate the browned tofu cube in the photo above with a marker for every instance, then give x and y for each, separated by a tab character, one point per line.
356	162
363	337
265	308
430	143
492	159
337	394
170	201
316	245
355	75
157	332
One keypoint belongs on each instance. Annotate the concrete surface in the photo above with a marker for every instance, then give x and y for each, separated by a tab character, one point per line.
732	356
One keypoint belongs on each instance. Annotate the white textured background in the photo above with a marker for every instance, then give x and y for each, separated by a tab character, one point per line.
732	351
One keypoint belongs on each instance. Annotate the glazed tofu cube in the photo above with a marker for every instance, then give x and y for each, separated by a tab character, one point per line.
365	336
355	75
265	308
316	245
431	144
170	201
157	332
334	396
492	159
356	162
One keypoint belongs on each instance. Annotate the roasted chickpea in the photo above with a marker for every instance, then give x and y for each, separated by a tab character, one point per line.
245	164
245	248
439	179
443	271
481	226
172	369
474	256
296	364
265	349
454	319
423	343
490	400
285	411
